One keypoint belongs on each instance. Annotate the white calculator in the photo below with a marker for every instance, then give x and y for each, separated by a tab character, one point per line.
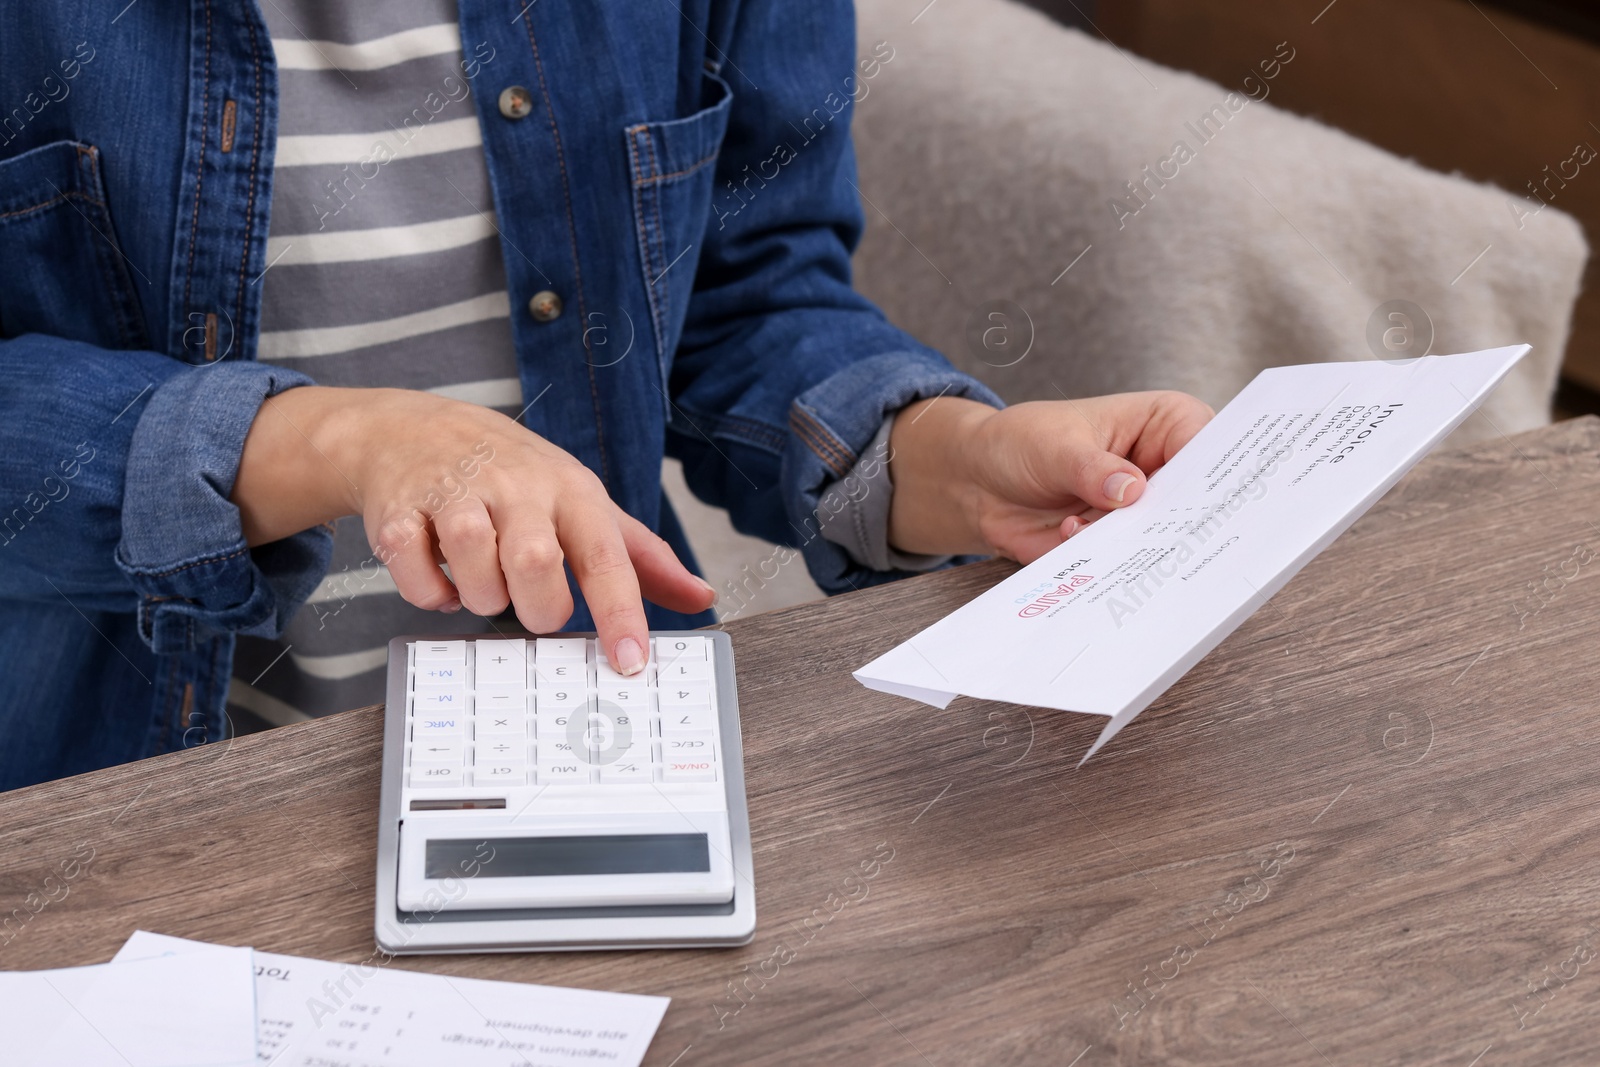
535	799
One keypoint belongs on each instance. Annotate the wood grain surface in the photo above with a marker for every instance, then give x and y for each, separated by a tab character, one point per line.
1362	831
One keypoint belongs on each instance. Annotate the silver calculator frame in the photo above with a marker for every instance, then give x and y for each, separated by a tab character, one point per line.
562	929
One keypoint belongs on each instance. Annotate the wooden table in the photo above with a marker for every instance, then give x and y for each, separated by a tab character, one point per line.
1356	834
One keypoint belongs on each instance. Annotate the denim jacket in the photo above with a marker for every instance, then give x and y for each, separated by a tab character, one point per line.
685	183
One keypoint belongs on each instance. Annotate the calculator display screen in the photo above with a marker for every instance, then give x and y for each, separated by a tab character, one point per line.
539	857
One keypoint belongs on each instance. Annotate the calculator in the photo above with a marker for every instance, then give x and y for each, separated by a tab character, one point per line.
533	798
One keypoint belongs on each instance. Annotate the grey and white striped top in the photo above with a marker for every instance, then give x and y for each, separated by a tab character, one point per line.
384	269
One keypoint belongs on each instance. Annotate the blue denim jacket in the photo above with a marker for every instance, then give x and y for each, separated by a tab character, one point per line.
685	179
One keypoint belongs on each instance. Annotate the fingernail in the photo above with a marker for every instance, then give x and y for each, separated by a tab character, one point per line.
630	656
707	586
1116	486
452	607
1071	526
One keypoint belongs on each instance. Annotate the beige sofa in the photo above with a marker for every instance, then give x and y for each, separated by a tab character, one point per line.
1031	214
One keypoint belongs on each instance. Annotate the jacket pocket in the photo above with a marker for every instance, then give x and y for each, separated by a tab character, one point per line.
673	164
61	270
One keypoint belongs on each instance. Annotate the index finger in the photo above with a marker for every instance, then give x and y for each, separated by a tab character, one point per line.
1185	416
599	559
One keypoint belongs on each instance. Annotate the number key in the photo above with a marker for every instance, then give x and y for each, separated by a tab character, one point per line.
684	670
671	648
685	695
557	724
678	721
562	674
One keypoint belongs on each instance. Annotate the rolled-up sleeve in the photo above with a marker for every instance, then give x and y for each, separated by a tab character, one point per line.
784	373
834	424
120	464
182	545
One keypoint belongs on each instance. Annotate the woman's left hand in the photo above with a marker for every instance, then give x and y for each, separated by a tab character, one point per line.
1019	481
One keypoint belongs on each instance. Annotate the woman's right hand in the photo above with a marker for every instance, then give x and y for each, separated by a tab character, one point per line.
442	481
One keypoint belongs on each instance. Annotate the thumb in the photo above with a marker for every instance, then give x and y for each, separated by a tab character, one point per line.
1104	479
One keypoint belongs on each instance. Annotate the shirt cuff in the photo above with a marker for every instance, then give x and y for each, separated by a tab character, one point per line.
182	544
832	425
861	527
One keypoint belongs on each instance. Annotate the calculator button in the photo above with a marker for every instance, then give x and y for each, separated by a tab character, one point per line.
500	749
569	698
439	750
443	653
626	771
689	769
501	701
442	700
441	676
556	771
601	733
607	746
501	662
550	724
435	774
686	695
429	724
681	746
622	721
562	674
501	772
608	676
678	721
671	648
559	749
550	649
501	724
619	698
684	670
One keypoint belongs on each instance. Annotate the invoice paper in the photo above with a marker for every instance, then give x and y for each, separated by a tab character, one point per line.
313	1013
1106	622
195	1011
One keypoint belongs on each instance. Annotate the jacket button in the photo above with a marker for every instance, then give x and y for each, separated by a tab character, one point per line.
515	102
545	306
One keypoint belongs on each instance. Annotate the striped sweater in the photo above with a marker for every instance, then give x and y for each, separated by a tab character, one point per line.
384	270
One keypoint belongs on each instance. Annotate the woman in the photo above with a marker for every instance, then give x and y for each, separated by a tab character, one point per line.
463	278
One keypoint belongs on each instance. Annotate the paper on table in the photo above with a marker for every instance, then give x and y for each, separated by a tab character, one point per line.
313	1013
1109	620
191	1011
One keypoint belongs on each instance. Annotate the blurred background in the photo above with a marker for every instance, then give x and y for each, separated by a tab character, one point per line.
1490	89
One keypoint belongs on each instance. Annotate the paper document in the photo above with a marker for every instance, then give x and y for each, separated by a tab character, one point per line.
313	1013
1106	622
191	1011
